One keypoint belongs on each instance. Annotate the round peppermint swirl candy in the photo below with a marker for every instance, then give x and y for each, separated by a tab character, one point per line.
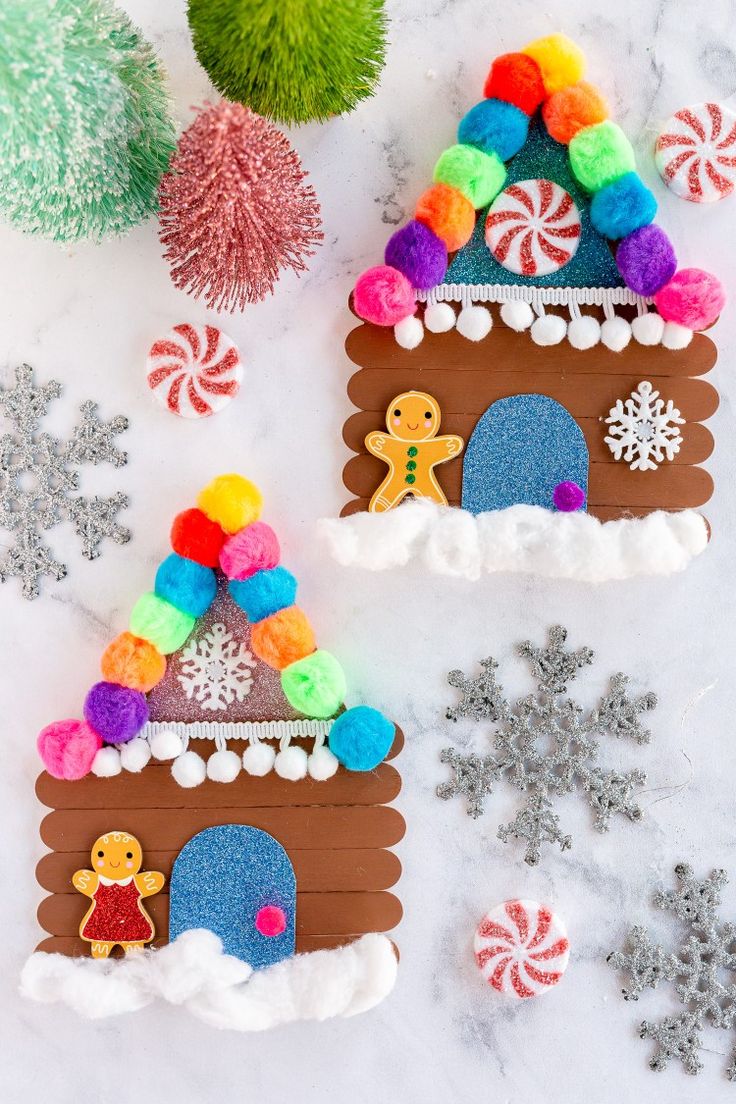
533	228
696	153
521	949
194	371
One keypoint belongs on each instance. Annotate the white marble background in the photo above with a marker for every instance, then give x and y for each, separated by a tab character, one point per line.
87	315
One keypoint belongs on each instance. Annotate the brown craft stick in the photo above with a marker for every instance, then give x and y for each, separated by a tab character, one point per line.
603	513
78	948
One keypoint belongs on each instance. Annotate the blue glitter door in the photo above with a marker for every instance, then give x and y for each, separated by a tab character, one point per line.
239	883
519	451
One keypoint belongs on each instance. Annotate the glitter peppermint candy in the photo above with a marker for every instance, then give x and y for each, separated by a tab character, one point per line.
521	949
696	153
194	371
533	228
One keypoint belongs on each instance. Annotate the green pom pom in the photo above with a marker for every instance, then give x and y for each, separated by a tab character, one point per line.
157	621
601	154
314	685
85	131
291	61
479	176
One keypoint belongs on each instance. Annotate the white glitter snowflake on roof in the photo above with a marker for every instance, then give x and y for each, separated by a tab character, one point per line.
217	670
643	429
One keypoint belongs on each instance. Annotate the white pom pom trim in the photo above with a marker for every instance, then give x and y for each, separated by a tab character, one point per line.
676	336
135	755
166	745
322	764
584	332
549	329
517	316
409	332
189	770
439	318
258	759
291	763
106	763
223	766
474	323
616	334
648	328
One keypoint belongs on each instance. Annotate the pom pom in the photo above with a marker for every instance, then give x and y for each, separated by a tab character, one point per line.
283	638
291	763
107	763
601	154
571	109
223	766
255	548
361	738
561	61
418	253
692	298
648	328
448	214
135	755
322	764
315	685
478	176
270	921
197	538
676	337
622	206
474	323
646	260
548	329
189	770
166	745
616	334
116	712
383	295
265	593
133	662
409	332
157	621
494	126
258	759
232	501
584	332
568	497
517	316
185	584
439	317
517	79
68	748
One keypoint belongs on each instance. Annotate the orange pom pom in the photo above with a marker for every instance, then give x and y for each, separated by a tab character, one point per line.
568	111
133	662
283	638
448	214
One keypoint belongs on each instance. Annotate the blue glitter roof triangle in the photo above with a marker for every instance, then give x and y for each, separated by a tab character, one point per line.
593	264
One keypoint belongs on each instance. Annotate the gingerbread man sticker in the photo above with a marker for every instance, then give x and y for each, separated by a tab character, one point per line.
412	450
117	887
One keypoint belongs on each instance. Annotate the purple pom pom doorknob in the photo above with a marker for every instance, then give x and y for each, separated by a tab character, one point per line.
568	497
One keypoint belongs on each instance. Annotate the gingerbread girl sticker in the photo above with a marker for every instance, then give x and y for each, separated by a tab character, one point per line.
412	450
117	887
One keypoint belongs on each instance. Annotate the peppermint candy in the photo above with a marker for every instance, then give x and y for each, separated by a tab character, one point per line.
194	371
696	153
533	228
521	949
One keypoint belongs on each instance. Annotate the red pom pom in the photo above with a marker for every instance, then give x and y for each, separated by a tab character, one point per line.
197	538
517	79
270	920
68	748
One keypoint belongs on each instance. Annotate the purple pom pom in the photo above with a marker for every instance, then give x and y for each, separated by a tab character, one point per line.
568	497
417	252
115	712
646	260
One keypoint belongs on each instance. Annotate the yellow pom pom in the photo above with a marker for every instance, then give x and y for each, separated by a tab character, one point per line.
232	501
561	62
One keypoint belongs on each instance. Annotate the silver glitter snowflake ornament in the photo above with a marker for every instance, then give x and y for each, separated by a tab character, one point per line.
38	474
703	968
547	745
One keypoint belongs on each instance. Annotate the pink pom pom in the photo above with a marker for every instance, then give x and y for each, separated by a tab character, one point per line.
67	748
271	920
254	548
692	298
383	295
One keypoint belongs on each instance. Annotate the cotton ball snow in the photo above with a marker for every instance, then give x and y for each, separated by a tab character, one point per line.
135	755
616	334
517	316
439	317
106	763
223	766
322	764
584	332
474	323
675	336
409	332
258	759
189	770
291	763
549	329
648	328
166	745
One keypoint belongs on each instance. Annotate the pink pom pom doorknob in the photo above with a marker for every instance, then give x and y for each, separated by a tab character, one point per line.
271	920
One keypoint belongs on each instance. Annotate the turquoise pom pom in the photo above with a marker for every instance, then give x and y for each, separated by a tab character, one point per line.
264	593
187	585
494	127
361	738
622	207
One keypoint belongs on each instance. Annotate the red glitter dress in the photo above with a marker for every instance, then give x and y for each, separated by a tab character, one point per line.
117	915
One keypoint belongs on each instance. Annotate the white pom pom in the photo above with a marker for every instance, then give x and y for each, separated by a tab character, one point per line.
166	745
106	763
616	334
189	770
322	764
439	317
648	328
517	316
291	763
409	332
135	754
549	329
223	766
676	336
258	759
584	332
475	323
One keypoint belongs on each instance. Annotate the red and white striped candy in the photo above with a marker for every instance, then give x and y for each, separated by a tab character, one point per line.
521	949
194	370
533	228
696	153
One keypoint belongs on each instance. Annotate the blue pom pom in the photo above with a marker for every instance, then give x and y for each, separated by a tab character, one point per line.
622	207
264	593
361	738
494	127
189	586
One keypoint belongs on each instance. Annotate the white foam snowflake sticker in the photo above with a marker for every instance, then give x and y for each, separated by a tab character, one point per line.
644	429
217	670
